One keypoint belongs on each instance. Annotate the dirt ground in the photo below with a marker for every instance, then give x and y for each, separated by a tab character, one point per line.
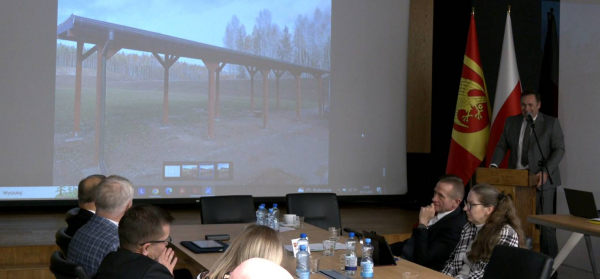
288	152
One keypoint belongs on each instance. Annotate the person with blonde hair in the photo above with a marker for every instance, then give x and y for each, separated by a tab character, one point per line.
254	241
492	221
257	268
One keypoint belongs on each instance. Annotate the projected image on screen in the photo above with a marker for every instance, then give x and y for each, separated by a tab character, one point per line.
240	82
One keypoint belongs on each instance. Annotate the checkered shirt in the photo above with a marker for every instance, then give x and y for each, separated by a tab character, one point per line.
508	237
93	242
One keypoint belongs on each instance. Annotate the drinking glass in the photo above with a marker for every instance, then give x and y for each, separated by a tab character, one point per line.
314	265
334	233
299	222
328	248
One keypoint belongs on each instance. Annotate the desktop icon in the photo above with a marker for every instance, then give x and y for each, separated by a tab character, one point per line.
300	190
141	191
169	190
182	191
155	191
208	190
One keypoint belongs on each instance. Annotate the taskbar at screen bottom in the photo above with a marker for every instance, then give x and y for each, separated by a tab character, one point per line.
158	192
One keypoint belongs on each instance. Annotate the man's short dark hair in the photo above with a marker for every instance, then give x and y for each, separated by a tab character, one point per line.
141	224
85	190
531	92
458	187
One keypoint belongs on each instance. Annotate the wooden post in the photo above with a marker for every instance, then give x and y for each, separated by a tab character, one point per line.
320	93
297	76
265	112
167	62
78	73
78	76
218	101
212	68
98	104
252	71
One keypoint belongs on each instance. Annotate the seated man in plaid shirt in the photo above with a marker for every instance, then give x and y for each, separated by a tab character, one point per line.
100	235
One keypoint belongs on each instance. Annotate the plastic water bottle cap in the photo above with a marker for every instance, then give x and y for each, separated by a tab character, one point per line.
351	235
302	247
274	205
270	210
302	235
261	207
262	204
368	241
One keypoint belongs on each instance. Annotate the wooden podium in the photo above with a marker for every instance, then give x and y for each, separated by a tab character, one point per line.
521	186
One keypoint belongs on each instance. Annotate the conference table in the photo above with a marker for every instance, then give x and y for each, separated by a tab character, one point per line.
200	262
579	227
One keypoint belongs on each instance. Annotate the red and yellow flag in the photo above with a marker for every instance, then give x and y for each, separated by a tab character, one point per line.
472	116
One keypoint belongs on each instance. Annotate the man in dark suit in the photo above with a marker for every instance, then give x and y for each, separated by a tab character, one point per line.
99	236
525	154
87	207
144	233
440	225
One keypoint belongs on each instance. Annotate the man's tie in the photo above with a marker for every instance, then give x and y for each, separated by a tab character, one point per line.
525	148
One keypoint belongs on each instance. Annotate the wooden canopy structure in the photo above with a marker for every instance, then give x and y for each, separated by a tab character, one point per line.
109	38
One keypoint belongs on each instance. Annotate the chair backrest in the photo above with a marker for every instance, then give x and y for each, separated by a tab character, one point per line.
63	269
63	240
71	213
512	262
319	209
227	210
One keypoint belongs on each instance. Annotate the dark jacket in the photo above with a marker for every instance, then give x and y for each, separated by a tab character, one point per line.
431	247
129	265
77	221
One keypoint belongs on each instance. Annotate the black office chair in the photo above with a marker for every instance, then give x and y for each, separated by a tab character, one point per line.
512	262
63	269
63	240
227	210
319	209
71	213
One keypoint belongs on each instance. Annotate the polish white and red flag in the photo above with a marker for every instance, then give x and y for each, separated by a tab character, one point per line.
508	92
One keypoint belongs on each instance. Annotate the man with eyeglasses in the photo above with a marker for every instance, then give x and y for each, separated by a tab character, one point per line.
144	233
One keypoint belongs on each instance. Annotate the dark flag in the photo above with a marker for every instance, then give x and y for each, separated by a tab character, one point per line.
549	75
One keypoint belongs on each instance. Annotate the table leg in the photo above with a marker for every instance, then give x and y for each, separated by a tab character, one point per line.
566	250
588	243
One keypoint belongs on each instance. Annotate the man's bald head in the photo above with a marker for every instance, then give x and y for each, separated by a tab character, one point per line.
85	191
256	268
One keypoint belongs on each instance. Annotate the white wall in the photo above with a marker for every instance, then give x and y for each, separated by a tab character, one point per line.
579	113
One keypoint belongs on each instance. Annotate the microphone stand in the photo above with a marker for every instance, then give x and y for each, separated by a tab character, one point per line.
542	163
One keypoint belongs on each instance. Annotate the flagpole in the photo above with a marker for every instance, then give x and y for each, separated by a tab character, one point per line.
473	10
509	9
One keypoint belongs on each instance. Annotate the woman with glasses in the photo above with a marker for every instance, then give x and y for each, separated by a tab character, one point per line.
254	242
492	221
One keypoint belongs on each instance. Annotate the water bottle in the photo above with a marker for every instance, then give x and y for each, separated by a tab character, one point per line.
260	215
366	263
302	257
351	261
275	223
270	218
264	214
303	241
275	211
